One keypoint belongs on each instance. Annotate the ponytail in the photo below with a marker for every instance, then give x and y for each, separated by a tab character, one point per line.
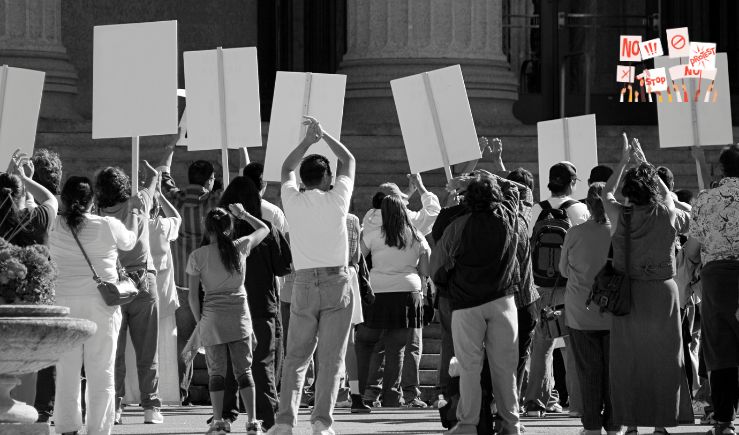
218	223
77	196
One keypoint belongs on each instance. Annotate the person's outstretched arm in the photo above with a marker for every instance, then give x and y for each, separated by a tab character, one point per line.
312	135
612	207
345	157
39	192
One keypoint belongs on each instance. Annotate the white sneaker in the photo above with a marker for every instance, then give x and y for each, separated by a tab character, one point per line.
321	429
343	404
280	429
153	416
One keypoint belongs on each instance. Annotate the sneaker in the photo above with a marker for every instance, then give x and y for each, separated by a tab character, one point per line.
358	406
227	425
707	417
722	429
321	429
217	427
306	401
555	408
416	403
280	429
153	416
343	404
254	428
699	408
462	429
118	411
534	409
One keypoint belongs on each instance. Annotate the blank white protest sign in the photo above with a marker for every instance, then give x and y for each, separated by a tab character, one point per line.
20	102
435	119
241	81
567	139
134	86
697	123
297	94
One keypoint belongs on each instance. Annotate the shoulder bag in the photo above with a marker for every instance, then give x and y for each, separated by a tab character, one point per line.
553	317
113	293
612	288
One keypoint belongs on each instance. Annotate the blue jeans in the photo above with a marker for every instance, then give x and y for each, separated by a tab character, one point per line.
320	316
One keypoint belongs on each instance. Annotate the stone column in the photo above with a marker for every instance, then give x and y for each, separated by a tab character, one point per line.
388	39
31	37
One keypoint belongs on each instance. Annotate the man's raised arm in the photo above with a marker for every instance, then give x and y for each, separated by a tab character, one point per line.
312	135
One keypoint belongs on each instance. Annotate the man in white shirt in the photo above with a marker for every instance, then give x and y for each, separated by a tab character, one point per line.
322	302
562	181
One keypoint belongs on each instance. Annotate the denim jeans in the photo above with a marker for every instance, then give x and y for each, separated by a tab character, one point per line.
370	350
141	318
489	329
320	316
527	320
185	326
447	345
263	368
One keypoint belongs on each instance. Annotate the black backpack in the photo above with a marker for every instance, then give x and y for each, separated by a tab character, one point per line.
546	243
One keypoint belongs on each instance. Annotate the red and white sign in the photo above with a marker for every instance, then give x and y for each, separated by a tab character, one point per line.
703	55
651	49
629	48
678	42
655	80
624	74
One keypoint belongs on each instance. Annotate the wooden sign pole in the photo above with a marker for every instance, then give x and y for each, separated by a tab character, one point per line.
306	103
224	125
134	165
437	126
566	130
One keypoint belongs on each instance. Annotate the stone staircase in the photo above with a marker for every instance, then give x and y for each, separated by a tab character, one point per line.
428	372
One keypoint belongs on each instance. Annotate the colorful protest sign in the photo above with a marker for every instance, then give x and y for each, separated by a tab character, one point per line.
655	80
629	48
243	121
20	102
702	55
625	74
651	49
134	88
435	119
296	95
678	42
567	139
697	123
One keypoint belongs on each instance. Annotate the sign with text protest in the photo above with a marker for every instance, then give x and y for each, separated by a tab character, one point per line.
702	55
697	123
134	87
651	49
243	121
20	102
630	48
678	42
298	94
625	74
567	139
435	119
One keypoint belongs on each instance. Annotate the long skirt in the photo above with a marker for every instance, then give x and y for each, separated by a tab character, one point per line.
648	380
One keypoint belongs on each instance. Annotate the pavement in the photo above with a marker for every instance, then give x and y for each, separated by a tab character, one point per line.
191	420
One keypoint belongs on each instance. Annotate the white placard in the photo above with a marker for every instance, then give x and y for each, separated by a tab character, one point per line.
567	139
629	50
20	102
702	55
698	123
655	80
134	89
241	81
651	49
624	74
678	42
297	94
435	119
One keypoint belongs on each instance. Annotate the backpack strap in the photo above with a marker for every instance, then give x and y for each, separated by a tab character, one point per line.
545	205
567	204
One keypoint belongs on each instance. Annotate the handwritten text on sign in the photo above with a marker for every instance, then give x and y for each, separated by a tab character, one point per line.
625	74
630	51
703	55
655	80
651	49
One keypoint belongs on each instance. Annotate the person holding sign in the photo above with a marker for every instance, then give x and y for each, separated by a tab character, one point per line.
321	308
140	317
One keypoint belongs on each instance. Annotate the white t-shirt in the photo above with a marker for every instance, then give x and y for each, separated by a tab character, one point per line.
101	237
578	213
318	235
272	214
394	270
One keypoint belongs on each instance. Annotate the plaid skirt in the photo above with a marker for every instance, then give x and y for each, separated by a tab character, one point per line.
395	310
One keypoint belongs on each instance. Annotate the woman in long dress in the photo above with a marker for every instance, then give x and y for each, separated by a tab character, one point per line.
648	381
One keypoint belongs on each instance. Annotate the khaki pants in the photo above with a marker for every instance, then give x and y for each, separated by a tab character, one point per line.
493	325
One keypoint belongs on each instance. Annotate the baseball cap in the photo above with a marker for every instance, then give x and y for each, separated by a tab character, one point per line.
562	173
392	189
600	173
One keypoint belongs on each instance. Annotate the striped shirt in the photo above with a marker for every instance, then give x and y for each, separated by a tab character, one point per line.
193	203
353	230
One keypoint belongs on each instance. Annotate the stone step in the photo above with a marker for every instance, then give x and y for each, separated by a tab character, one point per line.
432	331
428	376
432	347
430	361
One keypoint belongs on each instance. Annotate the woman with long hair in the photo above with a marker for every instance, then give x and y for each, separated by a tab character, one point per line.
646	391
400	266
225	325
101	238
584	254
269	259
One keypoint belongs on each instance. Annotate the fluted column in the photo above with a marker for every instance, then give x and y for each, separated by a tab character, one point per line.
388	39
31	37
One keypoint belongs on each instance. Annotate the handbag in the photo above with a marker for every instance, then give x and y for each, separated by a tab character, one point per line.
553	317
612	288
113	293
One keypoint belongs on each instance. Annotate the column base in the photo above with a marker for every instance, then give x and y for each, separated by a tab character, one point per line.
491	86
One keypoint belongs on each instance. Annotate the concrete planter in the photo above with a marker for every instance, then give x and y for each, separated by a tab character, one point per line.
32	337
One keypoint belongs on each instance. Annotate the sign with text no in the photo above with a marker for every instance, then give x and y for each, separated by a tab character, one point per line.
630	50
